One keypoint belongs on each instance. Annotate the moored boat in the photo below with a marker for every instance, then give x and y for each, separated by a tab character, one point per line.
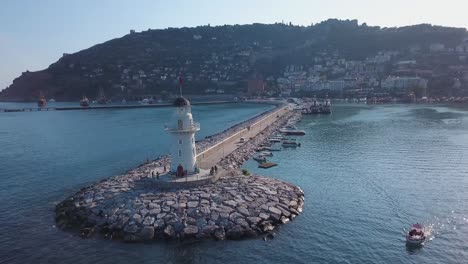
84	101
274	139
145	101
42	102
291	130
291	143
271	149
259	158
266	154
102	98
415	235
318	108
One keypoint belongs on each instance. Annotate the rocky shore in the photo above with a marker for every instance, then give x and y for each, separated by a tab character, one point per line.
234	207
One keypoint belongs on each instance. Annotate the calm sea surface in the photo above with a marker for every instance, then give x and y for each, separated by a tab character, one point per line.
367	173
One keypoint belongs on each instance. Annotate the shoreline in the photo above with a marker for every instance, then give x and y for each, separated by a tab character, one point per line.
235	206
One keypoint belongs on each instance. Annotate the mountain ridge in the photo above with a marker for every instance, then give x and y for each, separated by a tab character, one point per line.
222	58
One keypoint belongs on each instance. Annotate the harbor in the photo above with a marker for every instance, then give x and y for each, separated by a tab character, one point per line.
161	200
357	190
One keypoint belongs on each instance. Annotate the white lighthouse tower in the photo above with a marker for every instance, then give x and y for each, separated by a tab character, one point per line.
182	130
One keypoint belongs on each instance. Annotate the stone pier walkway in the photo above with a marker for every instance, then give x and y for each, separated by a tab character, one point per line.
215	156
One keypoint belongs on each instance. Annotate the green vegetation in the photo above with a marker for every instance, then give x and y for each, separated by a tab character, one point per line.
216	60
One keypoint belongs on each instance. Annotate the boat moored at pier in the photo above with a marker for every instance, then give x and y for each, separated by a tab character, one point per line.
290	143
318	108
42	102
84	102
291	130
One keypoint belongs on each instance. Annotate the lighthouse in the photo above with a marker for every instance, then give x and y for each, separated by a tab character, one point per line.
182	130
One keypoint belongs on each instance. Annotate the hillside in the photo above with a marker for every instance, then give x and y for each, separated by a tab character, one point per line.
221	59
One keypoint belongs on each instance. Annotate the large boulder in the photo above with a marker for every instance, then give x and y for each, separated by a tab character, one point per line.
191	230
236	232
147	233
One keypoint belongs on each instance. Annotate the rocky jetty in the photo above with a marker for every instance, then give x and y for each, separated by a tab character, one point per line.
234	207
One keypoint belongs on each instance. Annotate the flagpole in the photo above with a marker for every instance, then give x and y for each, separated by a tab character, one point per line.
180	84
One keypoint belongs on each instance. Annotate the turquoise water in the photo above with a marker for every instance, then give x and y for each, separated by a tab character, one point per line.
367	173
370	172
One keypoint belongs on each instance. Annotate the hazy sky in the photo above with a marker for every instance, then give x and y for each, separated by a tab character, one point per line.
35	33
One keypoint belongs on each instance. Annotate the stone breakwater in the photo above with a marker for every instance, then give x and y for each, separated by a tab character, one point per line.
234	207
244	152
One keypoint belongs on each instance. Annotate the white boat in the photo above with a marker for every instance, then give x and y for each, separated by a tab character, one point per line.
291	143
272	149
259	158
291	130
266	154
416	235
144	101
84	101
52	100
274	139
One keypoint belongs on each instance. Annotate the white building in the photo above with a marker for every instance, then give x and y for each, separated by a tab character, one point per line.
437	47
182	130
403	84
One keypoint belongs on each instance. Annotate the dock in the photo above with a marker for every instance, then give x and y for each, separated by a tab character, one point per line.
106	107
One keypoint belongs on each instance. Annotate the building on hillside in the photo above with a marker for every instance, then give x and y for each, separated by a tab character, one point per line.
403	85
437	47
255	87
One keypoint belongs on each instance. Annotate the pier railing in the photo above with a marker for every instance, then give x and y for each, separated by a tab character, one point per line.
195	126
237	135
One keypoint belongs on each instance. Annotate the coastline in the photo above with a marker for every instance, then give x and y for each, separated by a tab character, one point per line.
233	207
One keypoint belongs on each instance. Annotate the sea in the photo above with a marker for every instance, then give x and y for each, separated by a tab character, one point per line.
368	173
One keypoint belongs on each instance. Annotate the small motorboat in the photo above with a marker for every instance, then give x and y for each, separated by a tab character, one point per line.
415	235
42	102
291	143
271	149
102	98
259	158
274	139
84	102
266	154
291	130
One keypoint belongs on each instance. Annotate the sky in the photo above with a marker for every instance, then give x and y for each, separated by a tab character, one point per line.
35	33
